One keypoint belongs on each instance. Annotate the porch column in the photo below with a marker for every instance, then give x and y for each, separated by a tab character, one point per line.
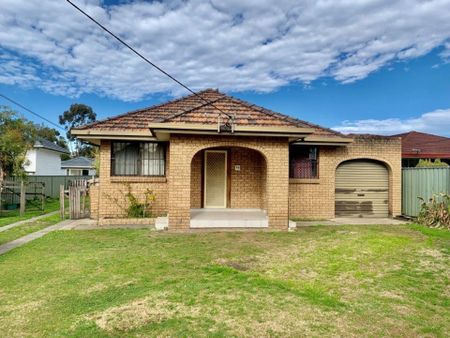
277	188
179	205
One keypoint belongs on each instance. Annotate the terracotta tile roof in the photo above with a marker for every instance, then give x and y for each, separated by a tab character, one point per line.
422	145
191	109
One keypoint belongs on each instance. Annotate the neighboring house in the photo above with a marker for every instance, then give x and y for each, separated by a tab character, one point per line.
417	146
79	166
44	158
198	164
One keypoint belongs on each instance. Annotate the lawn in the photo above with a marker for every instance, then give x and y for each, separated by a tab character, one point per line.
12	216
364	281
24	229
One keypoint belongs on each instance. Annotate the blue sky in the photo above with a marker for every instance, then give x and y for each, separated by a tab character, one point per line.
389	81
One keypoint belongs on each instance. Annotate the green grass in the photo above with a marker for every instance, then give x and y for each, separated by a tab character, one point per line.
12	216
27	228
367	281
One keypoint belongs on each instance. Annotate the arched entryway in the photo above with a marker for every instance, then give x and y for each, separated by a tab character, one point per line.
244	171
230	181
362	189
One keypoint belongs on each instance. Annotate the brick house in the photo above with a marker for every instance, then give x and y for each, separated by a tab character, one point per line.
417	146
196	159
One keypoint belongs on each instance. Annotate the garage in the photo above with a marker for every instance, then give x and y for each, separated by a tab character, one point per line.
362	189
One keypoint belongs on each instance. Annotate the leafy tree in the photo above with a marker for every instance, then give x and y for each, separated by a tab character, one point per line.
17	135
78	115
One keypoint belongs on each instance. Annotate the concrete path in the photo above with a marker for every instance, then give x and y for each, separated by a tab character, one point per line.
13	225
354	221
31	237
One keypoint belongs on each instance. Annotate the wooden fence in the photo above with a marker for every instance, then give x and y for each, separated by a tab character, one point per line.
78	195
422	182
23	194
51	183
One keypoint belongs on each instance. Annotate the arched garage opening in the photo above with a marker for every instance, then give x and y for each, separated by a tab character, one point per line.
362	189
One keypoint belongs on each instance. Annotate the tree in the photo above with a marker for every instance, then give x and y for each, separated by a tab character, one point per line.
17	135
78	115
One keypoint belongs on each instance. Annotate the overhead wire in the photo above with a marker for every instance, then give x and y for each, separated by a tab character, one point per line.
148	61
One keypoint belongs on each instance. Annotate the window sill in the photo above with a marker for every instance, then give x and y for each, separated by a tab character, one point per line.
138	179
304	181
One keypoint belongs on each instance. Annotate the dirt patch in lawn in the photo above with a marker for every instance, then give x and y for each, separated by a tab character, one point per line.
99	287
270	319
154	309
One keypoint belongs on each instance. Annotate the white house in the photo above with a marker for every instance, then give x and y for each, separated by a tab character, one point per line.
79	166
45	158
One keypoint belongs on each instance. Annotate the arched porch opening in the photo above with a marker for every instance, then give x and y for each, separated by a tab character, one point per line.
244	190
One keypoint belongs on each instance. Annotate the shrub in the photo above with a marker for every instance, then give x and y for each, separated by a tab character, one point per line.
436	212
136	208
427	163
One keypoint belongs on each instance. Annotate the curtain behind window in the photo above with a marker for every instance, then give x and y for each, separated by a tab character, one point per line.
138	159
152	159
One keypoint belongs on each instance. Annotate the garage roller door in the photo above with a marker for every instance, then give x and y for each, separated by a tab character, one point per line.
362	189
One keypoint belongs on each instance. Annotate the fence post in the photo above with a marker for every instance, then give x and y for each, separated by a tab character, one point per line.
22	198
61	201
43	197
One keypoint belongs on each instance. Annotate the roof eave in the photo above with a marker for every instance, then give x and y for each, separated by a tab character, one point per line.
51	149
325	140
162	130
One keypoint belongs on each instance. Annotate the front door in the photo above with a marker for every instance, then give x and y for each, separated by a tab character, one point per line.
215	184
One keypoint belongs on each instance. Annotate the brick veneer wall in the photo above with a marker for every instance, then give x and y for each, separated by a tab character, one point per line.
196	180
274	150
315	198
247	185
109	199
263	160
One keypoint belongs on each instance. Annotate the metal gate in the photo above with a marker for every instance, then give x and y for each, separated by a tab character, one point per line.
422	182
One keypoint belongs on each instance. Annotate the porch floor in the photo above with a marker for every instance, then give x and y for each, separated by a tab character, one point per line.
229	218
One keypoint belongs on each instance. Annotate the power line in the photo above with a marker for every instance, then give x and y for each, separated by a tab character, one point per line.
147	60
31	112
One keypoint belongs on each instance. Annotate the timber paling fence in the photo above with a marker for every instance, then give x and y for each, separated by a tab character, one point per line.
78	195
51	183
422	182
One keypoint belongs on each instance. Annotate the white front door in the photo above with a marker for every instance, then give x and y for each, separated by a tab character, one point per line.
215	185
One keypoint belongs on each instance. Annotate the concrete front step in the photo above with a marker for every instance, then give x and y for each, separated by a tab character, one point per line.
228	218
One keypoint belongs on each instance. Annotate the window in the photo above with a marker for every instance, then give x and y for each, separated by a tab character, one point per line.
303	162
138	159
74	172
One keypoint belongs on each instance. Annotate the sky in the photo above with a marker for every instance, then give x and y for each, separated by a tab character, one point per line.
368	66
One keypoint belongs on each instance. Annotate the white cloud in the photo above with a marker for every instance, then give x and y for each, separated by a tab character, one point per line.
437	122
233	45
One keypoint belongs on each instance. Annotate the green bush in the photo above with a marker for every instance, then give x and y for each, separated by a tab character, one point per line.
135	208
435	213
428	163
